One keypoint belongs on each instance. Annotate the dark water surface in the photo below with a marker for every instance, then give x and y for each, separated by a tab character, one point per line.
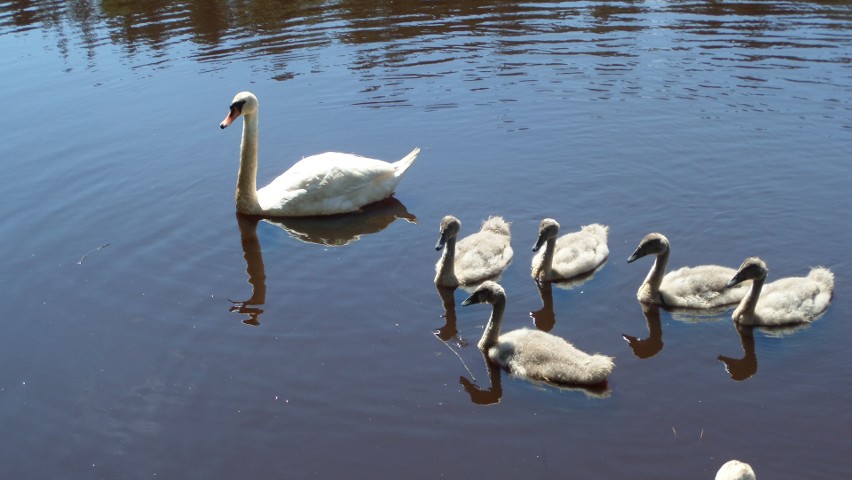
150	332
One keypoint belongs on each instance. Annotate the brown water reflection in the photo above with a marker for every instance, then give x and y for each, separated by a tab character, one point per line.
428	34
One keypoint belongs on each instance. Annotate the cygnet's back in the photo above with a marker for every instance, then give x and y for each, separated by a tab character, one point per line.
485	254
701	287
540	355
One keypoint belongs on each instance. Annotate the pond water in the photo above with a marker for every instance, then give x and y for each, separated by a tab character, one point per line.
151	332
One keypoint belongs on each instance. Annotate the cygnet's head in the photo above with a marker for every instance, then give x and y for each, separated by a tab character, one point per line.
244	103
652	244
547	229
753	268
450	227
489	292
735	470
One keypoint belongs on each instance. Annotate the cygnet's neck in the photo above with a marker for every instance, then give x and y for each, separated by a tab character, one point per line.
651	287
744	312
446	273
545	266
246	196
492	329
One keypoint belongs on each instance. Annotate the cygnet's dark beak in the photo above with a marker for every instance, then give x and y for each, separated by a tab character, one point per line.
734	280
470	300
634	257
538	243
442	240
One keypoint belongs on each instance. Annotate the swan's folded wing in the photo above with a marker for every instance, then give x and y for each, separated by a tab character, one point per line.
328	183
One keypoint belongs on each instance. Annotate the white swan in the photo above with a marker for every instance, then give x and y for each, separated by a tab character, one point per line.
571	255
700	287
532	353
322	184
783	302
478	257
735	470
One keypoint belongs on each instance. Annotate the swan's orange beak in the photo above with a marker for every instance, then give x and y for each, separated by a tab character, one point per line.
232	115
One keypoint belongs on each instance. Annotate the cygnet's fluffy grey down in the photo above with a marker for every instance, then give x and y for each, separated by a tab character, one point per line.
535	354
735	470
699	287
783	302
478	257
570	255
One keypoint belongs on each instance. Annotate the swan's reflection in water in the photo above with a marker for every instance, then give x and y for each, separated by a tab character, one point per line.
333	230
648	347
742	368
253	256
343	229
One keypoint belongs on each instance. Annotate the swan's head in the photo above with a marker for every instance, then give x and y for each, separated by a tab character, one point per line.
244	103
488	292
735	470
547	229
752	269
450	227
652	244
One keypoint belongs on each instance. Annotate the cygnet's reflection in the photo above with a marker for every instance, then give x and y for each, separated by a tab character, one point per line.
449	329
485	396
333	230
745	367
545	318
742	368
343	229
648	347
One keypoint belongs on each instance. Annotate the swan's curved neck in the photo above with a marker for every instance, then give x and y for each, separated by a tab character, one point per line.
246	196
447	275
746	307
492	329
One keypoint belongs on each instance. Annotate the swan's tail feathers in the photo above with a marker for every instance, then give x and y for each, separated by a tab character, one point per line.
823	276
402	165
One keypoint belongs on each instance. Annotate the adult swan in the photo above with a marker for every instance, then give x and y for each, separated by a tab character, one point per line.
322	184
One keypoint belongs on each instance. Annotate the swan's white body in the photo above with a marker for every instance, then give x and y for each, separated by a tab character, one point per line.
535	354
735	470
699	287
786	301
570	255
481	256
323	184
